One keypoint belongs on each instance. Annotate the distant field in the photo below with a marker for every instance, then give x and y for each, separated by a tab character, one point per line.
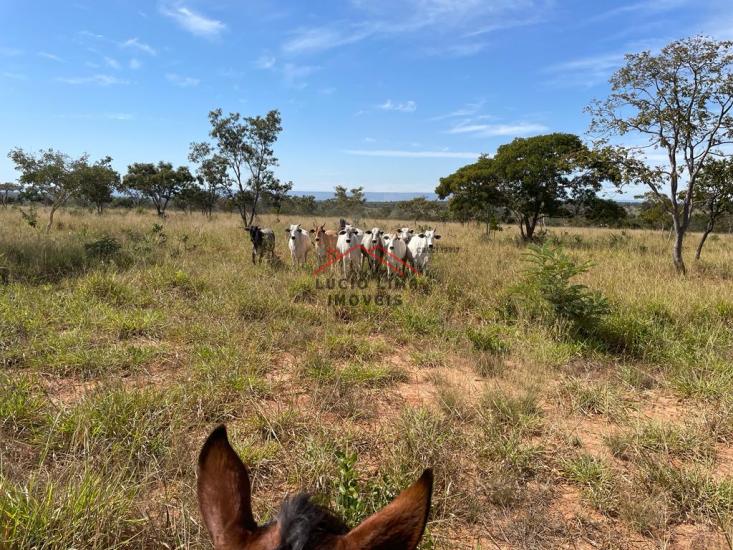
118	356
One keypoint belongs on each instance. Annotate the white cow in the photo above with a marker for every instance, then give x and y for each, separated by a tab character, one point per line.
349	250
405	233
372	248
299	244
395	253
419	249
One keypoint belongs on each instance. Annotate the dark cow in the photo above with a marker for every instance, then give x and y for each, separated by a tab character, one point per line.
263	242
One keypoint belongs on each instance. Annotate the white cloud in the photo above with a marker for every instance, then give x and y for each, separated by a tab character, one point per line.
112	63
10	52
321	38
265	61
369	140
586	71
453	20
492	130
51	56
193	22
135	64
468	109
412	154
99	79
182	81
295	75
14	76
406	107
135	44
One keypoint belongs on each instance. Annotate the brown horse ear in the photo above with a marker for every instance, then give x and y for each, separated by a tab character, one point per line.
224	492
400	524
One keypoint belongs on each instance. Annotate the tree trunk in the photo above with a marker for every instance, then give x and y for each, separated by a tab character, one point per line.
708	229
254	208
679	263
54	207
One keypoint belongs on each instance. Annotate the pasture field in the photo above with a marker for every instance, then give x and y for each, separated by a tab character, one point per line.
124	340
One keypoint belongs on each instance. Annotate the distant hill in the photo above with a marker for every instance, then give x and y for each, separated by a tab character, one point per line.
371	196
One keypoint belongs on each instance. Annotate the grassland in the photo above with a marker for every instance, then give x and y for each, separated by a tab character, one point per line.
123	342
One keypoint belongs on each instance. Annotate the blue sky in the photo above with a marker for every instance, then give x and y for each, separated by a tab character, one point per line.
385	94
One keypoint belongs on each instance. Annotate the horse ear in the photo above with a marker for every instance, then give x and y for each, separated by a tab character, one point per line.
224	492
400	524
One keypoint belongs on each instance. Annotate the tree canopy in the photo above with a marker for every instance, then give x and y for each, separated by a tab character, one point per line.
714	194
160	183
678	101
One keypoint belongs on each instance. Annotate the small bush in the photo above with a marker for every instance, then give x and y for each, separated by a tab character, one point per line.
105	248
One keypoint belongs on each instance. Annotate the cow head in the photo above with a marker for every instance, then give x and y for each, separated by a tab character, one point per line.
294	231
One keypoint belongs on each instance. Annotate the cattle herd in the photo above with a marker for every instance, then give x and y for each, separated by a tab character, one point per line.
350	248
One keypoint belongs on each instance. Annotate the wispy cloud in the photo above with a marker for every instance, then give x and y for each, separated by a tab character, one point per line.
14	76
135	64
585	72
193	22
98	79
51	56
182	81
457	21
405	107
318	39
112	63
97	116
469	109
396	153
493	130
645	7
295	75
10	52
265	61
135	44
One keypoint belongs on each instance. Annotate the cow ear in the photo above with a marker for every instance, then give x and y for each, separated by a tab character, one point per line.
398	525
436	236
411	231
368	232
287	230
421	235
342	232
224	492
312	231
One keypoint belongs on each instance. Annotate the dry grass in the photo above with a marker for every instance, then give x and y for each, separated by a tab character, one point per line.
116	362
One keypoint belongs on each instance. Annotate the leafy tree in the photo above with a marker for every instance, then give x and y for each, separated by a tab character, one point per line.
302	205
474	192
604	212
344	203
536	175
212	176
419	208
97	181
679	101
246	145
654	211
277	194
160	183
5	190
714	194
50	176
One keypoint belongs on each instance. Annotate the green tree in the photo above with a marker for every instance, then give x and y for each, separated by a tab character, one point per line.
654	211
246	145
212	176
419	208
277	194
678	101
474	192
50	176
160	183
537	175
96	182
714	195
5	190
600	211
343	203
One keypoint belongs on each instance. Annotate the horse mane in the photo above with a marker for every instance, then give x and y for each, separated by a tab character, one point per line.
305	525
